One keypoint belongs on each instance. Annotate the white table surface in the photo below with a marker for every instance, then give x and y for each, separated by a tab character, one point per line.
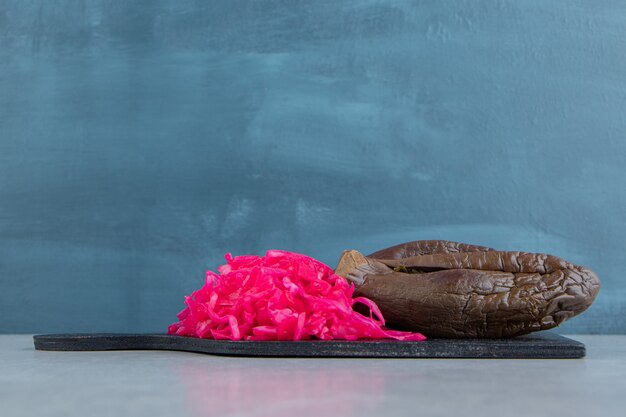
152	383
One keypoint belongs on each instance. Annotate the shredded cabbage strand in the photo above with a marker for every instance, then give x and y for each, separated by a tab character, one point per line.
279	296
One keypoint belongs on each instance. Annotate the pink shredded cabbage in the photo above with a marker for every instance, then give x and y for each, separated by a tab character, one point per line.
280	296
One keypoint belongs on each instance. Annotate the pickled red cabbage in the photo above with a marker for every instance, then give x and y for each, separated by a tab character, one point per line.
280	296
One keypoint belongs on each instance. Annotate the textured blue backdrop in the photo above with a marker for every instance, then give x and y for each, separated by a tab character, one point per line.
141	140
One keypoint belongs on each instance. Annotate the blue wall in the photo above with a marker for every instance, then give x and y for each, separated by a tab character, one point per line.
141	140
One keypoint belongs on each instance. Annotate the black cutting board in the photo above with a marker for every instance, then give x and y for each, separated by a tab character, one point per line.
542	345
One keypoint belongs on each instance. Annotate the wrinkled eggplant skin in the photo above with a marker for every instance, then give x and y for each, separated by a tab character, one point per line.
471	291
426	247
